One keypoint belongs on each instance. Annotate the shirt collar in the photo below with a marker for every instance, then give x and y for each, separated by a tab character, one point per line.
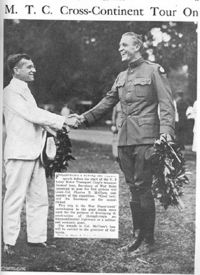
19	83
136	63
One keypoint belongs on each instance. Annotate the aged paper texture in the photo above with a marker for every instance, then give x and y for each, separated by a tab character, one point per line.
75	49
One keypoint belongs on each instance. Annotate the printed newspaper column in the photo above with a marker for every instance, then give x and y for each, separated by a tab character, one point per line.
86	205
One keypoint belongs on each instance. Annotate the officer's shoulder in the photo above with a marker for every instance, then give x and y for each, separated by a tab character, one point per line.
155	67
121	75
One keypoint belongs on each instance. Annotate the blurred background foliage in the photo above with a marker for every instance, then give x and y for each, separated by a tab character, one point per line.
79	60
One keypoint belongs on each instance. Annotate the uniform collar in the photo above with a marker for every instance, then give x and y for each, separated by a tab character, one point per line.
136	63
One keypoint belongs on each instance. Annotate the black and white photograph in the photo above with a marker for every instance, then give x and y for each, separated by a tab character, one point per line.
99	145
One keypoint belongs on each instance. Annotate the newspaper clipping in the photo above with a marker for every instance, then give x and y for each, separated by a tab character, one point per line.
99	147
86	205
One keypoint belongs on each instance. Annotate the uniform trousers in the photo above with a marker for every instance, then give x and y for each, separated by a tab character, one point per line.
135	163
25	181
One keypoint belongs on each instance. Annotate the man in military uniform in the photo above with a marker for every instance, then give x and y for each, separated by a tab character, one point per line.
140	89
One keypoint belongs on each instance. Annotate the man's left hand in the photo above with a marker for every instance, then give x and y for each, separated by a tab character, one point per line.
166	137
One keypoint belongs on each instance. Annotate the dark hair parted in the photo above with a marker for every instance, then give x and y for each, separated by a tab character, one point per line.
14	59
137	39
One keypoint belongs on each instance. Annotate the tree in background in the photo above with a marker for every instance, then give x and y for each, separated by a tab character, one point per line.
80	59
175	46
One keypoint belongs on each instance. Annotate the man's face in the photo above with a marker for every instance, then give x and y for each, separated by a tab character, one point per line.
128	49
25	70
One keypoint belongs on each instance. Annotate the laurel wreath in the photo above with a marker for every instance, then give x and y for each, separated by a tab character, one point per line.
169	173
63	154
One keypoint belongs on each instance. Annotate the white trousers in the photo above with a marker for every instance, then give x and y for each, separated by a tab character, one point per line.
25	180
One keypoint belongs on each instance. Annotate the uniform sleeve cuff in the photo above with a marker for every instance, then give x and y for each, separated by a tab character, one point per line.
167	130
89	118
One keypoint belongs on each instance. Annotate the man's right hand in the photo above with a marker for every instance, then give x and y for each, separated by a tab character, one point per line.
72	121
82	119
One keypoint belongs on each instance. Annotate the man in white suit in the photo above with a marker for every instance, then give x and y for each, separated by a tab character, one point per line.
25	176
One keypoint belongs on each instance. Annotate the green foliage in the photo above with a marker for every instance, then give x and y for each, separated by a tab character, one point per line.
169	174
80	58
63	154
180	50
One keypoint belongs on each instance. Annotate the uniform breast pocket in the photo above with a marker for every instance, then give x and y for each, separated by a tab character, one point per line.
149	126
142	87
120	87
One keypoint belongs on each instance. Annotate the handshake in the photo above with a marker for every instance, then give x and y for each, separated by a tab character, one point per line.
74	120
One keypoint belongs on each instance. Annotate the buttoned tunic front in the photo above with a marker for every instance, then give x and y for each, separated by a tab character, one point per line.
140	89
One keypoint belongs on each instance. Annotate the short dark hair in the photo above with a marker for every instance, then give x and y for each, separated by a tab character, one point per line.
137	38
14	59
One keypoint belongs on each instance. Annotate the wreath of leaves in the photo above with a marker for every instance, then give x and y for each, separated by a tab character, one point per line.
63	154
169	174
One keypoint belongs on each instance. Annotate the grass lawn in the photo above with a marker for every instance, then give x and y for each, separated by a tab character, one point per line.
174	231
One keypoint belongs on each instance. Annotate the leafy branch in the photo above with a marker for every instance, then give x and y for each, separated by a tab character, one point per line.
169	173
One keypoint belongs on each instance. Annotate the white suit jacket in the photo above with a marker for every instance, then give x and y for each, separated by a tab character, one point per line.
25	122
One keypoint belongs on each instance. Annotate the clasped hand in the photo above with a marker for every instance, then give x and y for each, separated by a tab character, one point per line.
166	137
74	120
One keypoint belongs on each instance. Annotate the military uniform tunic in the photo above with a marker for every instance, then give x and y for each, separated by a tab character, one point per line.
140	89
